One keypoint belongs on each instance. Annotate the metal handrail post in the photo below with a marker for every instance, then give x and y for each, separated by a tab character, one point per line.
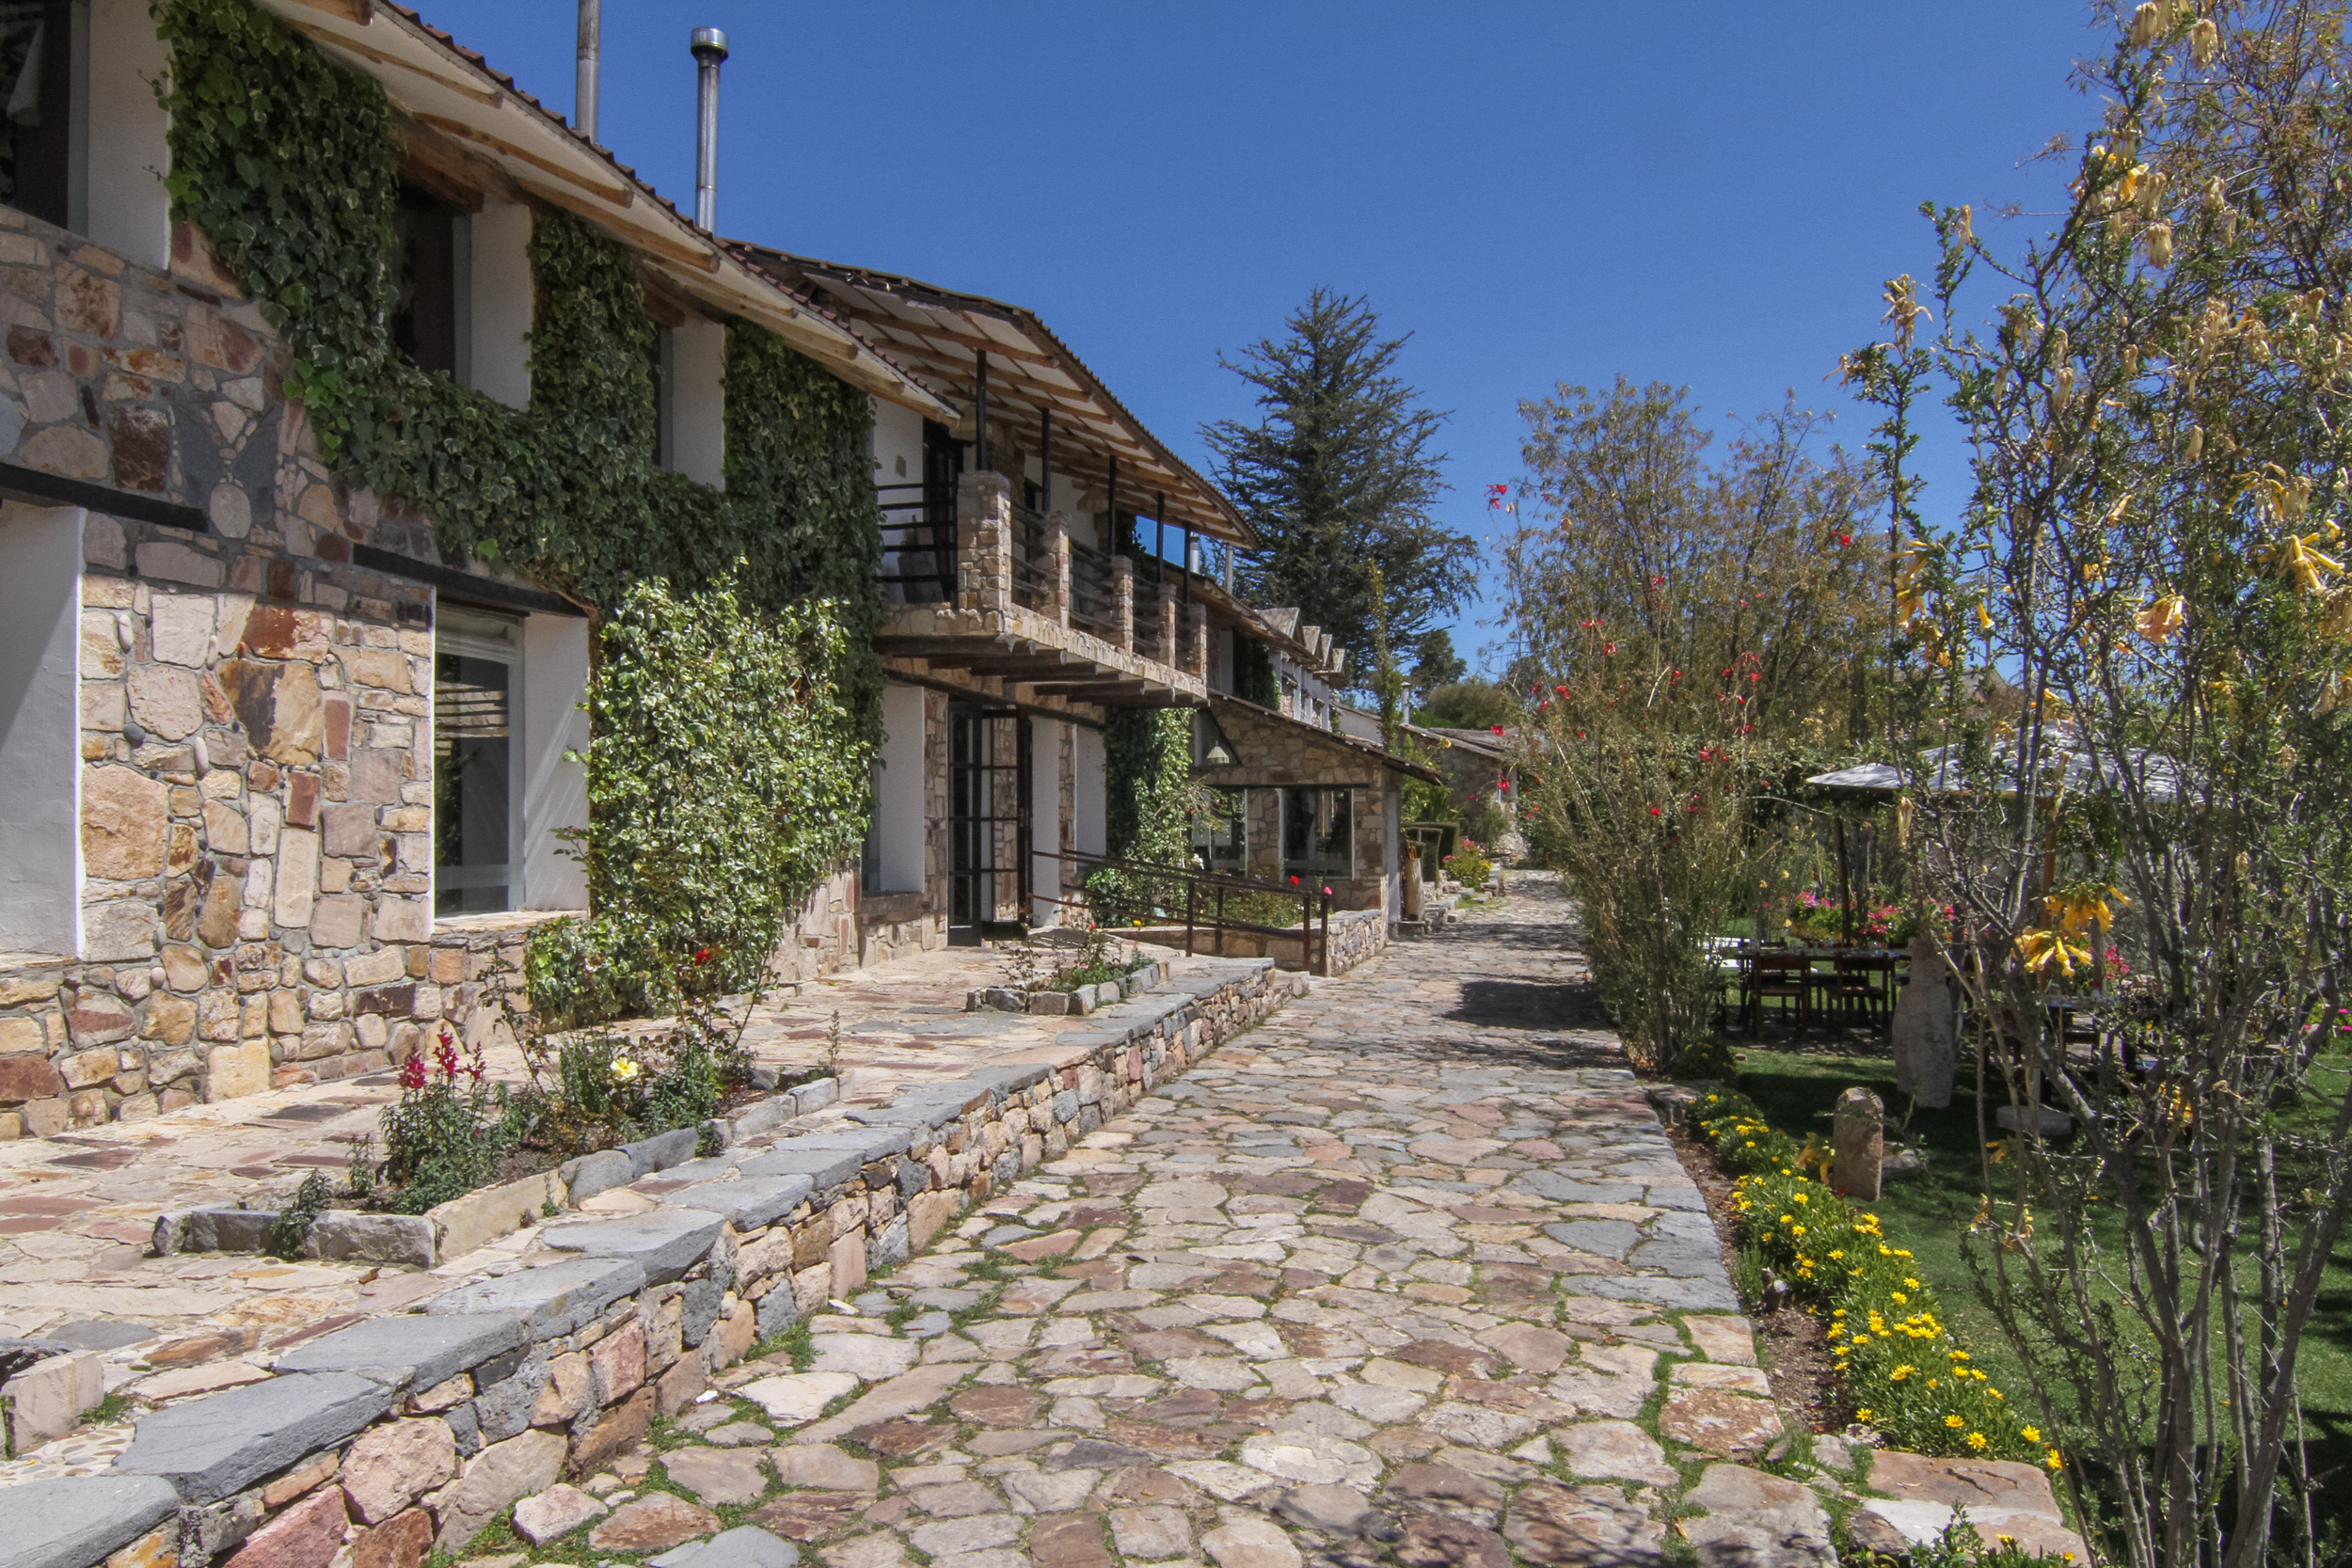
1192	891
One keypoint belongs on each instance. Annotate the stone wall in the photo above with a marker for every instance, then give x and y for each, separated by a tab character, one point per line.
1356	936
411	1432
1271	753
256	736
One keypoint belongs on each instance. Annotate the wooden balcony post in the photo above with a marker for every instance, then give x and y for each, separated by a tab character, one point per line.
983	542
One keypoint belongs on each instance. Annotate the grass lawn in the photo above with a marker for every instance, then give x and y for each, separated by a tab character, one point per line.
1929	1213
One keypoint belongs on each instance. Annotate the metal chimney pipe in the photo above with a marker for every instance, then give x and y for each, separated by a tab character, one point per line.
584	69
710	47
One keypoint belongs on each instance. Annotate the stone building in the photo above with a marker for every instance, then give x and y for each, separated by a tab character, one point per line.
281	779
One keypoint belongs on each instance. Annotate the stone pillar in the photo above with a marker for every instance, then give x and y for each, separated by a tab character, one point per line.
1197	640
1857	1145
1058	526
983	542
1412	882
1123	600
1169	652
1927	1029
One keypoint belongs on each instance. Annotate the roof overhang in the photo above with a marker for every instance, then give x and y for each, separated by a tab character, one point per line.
451	92
1222	703
940	335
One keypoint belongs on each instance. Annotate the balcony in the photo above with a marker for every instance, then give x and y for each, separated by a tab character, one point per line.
988	597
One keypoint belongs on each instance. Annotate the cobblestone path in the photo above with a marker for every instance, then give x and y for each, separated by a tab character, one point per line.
1408	1274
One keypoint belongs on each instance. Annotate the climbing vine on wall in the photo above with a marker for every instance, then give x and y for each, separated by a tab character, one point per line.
288	163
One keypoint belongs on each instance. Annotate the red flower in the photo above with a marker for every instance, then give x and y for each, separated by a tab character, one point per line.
1608	648
1655	812
1494	729
1327	890
1562	690
701	954
1294	882
1657	582
1845	539
412	1072
1502	783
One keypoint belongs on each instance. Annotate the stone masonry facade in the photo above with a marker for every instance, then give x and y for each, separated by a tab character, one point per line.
256	736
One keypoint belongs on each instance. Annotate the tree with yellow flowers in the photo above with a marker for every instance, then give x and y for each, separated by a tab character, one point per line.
2155	395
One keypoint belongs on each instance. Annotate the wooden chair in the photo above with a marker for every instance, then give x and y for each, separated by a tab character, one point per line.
1781	975
1863	981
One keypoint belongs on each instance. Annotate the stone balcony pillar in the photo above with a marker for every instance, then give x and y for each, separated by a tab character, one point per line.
1059	527
1123	600
984	543
1170	650
1196	645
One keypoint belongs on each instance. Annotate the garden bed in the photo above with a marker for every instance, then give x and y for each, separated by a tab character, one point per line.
1068	997
528	1184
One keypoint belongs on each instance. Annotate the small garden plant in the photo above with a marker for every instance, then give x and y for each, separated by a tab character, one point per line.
1894	1354
1033	965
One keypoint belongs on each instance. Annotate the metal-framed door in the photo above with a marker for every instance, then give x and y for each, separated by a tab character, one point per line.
988	824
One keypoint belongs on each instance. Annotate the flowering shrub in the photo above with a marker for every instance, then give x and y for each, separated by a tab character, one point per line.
1894	1353
1469	863
448	1130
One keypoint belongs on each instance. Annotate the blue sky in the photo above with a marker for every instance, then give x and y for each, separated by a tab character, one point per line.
1704	194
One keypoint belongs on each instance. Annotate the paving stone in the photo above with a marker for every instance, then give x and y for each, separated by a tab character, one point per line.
1434	1541
413	1349
747	1204
209	1448
1971	1483
1581	1526
795	1398
864	1356
744	1547
981	1531
1251	1544
1720	1422
812	1516
557	1510
825	1468
718	1475
1618	1449
82	1520
651	1523
1754	1520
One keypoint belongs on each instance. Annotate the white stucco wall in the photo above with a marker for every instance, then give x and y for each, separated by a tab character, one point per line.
555	789
40	861
1090	802
899	790
124	155
1045	819
497	303
897	444
698	422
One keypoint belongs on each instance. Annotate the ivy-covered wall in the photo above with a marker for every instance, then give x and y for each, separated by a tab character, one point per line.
288	163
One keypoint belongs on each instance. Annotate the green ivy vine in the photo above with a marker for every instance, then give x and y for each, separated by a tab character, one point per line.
290	164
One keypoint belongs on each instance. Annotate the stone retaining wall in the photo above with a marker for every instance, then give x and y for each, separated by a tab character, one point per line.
411	1430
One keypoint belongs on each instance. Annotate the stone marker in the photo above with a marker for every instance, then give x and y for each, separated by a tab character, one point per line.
1858	1144
1927	1029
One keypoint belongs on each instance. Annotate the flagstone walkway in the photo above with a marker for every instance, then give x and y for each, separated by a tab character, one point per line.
1409	1274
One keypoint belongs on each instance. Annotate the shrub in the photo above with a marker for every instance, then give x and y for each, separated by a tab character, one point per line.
1469	867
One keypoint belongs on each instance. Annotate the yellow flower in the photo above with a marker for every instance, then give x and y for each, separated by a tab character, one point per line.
1901	1372
1899	1298
2053	1462
1837	1254
624	1069
1977	1440
1954	1421
2031	1434
1911	1284
1862	1415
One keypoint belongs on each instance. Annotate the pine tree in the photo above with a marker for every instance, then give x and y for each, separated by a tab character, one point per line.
1339	476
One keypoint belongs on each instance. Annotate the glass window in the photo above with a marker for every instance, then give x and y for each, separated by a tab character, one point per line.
426	310
1220	833
1319	833
36	108
476	661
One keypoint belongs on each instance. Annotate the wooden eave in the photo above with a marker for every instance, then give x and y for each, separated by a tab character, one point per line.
438	86
939	335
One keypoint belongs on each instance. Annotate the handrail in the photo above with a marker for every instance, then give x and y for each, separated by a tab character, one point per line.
928	534
1313	930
